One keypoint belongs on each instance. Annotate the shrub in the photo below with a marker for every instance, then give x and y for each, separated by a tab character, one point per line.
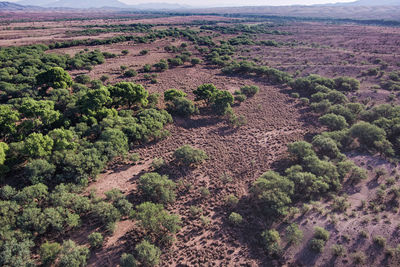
182	106
222	101
157	163
205	92
359	258
249	90
321	233
157	188
380	241
171	94
148	254
49	252
195	61
83	79
124	52
104	78
367	134
147	68
333	122
72	255
271	241
39	171
232	201
144	52
293	234
127	260
162	65
295	95
96	240
130	73
317	245
240	98
235	219
188	155
338	250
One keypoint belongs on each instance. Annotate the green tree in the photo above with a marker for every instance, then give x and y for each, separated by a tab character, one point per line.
95	240
333	122
39	171
148	254
63	139
170	94
55	77
8	119
3	152
188	155
157	222
222	101
367	134
205	92
38	145
293	234
72	255
127	93
49	252
157	187
274	191
271	241
127	260
182	106
249	90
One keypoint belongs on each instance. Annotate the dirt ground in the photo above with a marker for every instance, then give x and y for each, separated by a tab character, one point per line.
273	120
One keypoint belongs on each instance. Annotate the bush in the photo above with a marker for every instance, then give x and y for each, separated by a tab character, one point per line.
182	106
147	68
333	122
293	234
235	219
39	171
95	240
380	241
249	90
271	241
317	245
195	61
49	252
130	73
205	92
359	258
171	94
124	52
321	233
127	260
83	79
240	98
72	255
162	65
144	52
157	188
222	101
157	163
188	155
148	254
295	95
338	250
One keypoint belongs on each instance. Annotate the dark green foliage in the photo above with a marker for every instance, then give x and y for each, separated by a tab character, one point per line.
83	79
55	77
205	92
158	223
235	219
333	122
148	254
188	155
195	61
182	106
105	212
157	187
39	171
249	90
274	192
127	260
130	73
170	94
317	245
271	241
95	240
321	233
162	65
49	252
127	93
222	101
72	255
293	234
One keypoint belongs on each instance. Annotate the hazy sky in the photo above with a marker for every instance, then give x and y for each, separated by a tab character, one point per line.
229	2
239	2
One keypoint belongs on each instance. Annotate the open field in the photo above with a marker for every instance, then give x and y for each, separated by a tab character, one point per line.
347	183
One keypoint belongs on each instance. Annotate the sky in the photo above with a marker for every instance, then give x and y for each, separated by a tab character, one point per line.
230	2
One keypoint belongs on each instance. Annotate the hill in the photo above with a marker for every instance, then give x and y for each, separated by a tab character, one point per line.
12	6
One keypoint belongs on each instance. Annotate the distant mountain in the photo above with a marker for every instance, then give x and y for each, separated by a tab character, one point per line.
35	2
7	6
86	4
158	6
369	3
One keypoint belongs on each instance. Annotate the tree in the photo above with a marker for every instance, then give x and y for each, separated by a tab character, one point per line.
72	255
182	106
157	222
222	101
325	146
95	240
171	94
38	145
274	191
105	212
49	252
3	152
148	254
39	171
94	100
62	138
300	150
188	155
157	187
195	61
162	65
249	90
127	260
8	119
367	134
55	77
271	241
293	234
333	122
112	143
205	92
42	110
129	93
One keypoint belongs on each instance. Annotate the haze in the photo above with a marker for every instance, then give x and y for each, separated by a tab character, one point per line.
234	3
